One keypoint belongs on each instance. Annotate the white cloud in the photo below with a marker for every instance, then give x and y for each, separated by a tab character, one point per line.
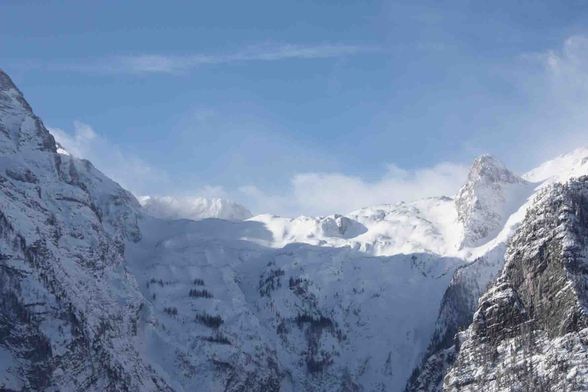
184	207
555	83
130	171
326	193
260	202
160	63
566	73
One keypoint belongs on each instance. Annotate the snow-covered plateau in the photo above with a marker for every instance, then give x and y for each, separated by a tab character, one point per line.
485	290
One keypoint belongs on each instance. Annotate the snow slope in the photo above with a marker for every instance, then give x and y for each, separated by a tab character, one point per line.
562	168
421	226
298	318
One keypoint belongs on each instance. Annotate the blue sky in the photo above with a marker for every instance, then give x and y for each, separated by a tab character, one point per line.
302	106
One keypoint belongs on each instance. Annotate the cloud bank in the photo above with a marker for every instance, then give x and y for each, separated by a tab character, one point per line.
327	193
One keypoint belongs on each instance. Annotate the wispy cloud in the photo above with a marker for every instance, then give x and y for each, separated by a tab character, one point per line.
163	63
327	193
129	170
555	83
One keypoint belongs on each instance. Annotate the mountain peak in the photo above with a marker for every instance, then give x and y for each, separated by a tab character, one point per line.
490	195
5	81
487	158
19	127
489	169
10	95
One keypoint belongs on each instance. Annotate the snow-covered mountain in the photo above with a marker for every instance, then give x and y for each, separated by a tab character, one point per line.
491	194
461	226
195	208
69	309
101	293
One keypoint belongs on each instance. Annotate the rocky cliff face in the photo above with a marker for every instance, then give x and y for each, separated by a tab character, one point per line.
459	303
69	310
530	329
535	307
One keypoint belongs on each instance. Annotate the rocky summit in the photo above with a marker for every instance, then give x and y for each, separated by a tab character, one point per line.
485	290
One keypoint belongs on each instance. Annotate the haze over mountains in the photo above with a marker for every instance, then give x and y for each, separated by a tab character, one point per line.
482	290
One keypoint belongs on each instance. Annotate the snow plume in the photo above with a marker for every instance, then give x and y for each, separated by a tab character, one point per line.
327	193
129	170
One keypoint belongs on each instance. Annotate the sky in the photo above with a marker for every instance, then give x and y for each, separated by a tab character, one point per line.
302	107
